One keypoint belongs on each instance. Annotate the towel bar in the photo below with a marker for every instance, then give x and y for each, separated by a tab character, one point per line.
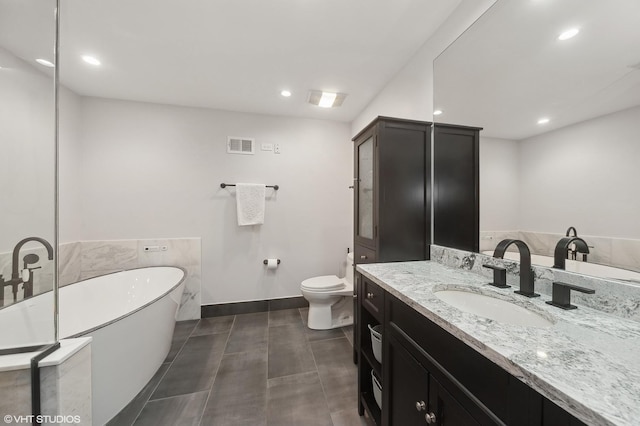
224	185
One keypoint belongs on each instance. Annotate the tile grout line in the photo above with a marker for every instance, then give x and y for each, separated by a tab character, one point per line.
204	408
266	375
165	373
315	362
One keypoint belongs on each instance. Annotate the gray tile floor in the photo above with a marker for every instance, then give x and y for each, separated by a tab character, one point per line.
265	368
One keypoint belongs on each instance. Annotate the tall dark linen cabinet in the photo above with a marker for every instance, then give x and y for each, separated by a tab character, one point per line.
392	222
392	159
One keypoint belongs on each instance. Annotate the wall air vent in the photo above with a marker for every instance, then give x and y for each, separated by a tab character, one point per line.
236	145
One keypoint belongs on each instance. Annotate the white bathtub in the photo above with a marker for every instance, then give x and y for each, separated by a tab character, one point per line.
130	316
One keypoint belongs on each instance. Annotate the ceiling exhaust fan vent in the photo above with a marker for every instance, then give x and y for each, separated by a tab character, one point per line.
236	145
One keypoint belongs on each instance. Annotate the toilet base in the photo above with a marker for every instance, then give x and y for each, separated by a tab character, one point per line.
325	316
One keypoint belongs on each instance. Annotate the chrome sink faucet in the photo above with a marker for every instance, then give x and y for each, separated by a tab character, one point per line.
526	273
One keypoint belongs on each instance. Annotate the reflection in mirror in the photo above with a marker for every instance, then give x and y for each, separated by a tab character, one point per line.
561	121
27	172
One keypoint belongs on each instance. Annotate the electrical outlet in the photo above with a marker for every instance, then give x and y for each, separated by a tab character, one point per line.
276	148
149	249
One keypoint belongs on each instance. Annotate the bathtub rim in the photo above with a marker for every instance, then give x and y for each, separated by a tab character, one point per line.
98	327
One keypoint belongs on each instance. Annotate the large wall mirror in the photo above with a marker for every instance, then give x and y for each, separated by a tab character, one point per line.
27	171
561	118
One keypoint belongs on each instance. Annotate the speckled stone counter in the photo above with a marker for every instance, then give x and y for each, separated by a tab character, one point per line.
588	362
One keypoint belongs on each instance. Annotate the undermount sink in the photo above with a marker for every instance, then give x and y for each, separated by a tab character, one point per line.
486	306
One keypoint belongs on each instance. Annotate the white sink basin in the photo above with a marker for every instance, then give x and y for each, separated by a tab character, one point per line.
493	308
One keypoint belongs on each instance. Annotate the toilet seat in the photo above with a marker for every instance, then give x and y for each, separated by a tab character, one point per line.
323	283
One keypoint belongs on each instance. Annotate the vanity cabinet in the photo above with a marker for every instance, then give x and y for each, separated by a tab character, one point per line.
392	163
429	376
456	193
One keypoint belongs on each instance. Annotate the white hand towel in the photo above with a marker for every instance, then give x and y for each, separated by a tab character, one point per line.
250	203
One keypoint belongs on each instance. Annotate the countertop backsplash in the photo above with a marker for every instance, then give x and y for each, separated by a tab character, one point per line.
613	297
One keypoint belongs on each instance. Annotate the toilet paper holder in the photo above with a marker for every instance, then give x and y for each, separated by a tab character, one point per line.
267	261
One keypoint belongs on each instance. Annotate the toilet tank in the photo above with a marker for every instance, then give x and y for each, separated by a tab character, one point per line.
349	271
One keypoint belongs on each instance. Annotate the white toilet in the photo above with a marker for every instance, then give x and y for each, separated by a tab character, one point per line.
330	299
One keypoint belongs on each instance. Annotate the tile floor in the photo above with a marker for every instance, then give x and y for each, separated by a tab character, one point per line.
257	369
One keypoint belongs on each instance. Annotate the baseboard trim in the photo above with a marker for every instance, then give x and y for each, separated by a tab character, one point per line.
223	309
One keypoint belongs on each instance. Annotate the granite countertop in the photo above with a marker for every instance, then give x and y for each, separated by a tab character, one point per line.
588	362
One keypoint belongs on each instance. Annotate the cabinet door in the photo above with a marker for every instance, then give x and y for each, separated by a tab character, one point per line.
408	388
365	226
447	411
456	198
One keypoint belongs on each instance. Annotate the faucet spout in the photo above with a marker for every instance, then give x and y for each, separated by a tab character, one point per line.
560	253
568	233
15	270
526	273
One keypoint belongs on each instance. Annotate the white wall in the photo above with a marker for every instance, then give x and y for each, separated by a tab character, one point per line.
69	176
499	184
410	93
584	175
27	134
153	171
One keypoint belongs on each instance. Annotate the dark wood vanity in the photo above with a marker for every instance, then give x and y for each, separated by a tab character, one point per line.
429	376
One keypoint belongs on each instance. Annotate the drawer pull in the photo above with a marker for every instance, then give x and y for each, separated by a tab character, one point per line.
421	406
430	418
363	256
370	295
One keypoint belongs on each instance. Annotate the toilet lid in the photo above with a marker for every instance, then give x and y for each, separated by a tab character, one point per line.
324	283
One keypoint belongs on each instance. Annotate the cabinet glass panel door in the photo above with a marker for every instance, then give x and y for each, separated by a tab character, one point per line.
365	189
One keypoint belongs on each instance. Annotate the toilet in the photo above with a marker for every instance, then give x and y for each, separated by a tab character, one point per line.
330	299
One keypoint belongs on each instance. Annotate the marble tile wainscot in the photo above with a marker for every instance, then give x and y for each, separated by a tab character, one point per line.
87	259
586	363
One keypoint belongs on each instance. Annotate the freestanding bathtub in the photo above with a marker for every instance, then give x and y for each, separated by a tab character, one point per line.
130	316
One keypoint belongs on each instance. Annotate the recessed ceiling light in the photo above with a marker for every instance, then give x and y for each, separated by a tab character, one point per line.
285	93
543	121
566	35
437	112
326	99
45	63
91	60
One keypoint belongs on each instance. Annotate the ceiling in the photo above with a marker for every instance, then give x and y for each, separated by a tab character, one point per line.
509	69
228	54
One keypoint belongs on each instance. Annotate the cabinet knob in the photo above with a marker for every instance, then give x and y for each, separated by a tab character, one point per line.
421	406
430	418
370	295
363	257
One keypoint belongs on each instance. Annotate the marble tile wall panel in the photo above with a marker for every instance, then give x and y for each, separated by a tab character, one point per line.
108	256
618	252
489	239
15	388
103	257
613	297
69	263
184	252
625	254
66	388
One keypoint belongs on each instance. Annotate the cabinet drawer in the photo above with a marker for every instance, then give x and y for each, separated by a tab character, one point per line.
364	255
373	298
